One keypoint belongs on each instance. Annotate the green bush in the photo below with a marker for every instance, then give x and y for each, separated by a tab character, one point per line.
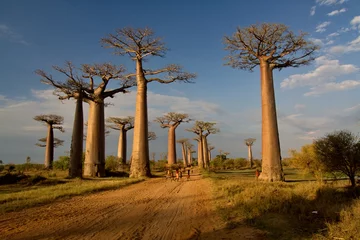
112	163
28	167
240	163
62	163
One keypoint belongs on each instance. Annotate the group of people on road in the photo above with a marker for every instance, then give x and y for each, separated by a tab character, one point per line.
178	174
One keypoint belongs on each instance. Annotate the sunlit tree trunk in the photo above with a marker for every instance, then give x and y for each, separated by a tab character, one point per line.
122	145
95	141
171	146
49	153
76	149
250	156
200	153
184	154
140	165
205	152
271	164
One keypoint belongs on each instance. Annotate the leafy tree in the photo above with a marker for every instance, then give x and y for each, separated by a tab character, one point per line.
52	122
112	163
249	142
270	46
171	121
308	160
62	163
140	44
123	125
340	151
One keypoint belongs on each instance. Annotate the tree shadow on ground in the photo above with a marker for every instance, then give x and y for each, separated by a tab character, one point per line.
297	218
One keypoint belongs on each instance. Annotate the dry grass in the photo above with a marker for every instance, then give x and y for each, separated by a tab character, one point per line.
286	210
16	197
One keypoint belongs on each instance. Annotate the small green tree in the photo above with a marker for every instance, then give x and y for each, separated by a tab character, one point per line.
62	163
340	152
307	160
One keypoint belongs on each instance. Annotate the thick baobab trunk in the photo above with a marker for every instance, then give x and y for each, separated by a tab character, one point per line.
189	156
171	146
205	152
250	156
200	154
122	145
184	155
95	141
209	155
140	165
271	163
49	152
76	150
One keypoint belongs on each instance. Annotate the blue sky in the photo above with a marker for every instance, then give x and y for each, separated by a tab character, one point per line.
311	100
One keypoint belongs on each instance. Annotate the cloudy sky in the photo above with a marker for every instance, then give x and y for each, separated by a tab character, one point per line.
311	100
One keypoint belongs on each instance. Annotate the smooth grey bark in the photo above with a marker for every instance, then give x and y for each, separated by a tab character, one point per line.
49	152
140	164
94	165
171	145
76	150
271	163
250	156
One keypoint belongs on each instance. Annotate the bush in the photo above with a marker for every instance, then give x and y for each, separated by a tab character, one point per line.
62	163
241	163
112	163
228	164
28	167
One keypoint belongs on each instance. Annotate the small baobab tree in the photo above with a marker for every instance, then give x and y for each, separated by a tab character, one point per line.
210	148
73	87
249	142
151	136
270	46
189	151
95	141
184	142
171	121
202	130
123	125
52	122
140	44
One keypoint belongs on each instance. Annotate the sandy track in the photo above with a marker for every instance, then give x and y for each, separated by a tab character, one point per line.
154	209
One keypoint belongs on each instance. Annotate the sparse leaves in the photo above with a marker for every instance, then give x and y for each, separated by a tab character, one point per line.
57	142
172	119
249	141
51	119
118	123
270	42
151	136
203	128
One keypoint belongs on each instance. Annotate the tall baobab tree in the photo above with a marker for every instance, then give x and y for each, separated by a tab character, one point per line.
95	141
52	122
189	151
208	128
210	148
73	87
171	121
249	142
184	142
199	150
271	46
140	44
123	125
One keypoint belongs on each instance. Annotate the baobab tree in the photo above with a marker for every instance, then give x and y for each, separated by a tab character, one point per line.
151	136
184	142
140	44
171	121
52	122
73	87
189	151
123	125
202	130
271	46
95	141
249	142
210	148
208	128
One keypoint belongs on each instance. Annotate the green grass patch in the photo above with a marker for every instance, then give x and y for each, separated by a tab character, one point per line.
16	197
298	209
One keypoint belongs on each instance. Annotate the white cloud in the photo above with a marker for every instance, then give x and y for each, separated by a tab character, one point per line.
337	12
353	108
353	46
299	107
329	42
334	34
332	87
355	22
330	2
312	10
327	70
317	41
7	33
322	26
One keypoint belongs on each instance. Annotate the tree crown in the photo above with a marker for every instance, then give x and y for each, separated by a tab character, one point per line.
202	128
51	119
249	141
117	123
269	42
57	142
172	119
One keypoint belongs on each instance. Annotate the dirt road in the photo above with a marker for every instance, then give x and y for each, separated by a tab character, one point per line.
153	209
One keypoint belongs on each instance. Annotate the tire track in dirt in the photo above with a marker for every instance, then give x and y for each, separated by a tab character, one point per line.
154	209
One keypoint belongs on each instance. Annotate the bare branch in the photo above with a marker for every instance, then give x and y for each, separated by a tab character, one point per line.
57	142
118	123
151	136
249	141
172	119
